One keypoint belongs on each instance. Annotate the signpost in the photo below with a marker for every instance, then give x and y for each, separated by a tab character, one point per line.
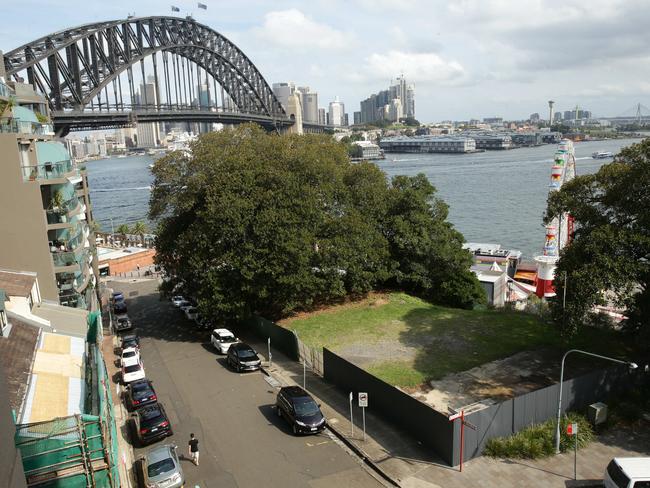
453	415
351	418
363	403
270	360
572	429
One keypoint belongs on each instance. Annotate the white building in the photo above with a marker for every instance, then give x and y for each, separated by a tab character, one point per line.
309	100
322	116
283	91
337	113
369	150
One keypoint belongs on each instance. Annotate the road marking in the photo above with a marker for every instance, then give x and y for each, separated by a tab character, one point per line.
272	381
309	444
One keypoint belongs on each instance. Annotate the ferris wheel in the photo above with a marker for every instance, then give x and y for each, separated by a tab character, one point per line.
560	229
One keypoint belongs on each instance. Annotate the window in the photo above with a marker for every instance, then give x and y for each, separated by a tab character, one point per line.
617	475
641	484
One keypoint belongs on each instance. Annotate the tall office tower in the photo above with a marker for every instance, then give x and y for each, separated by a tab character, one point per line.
148	132
410	101
309	105
337	113
282	91
322	116
46	205
395	110
550	111
356	116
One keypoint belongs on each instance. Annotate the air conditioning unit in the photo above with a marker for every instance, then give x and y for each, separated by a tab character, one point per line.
597	413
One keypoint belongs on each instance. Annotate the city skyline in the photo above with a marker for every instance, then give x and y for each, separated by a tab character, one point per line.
470	60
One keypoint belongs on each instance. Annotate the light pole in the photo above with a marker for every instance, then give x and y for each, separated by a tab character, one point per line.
559	403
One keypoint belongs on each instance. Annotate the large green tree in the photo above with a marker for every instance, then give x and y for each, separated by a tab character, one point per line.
608	260
253	222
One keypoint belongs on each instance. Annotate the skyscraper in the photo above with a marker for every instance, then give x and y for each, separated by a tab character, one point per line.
382	105
309	105
282	91
147	97
337	113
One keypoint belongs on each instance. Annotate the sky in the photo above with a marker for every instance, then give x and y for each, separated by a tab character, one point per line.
467	58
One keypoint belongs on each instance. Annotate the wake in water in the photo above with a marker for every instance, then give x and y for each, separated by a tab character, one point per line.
101	190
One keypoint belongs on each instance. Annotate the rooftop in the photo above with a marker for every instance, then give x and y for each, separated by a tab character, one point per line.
17	283
108	253
16	354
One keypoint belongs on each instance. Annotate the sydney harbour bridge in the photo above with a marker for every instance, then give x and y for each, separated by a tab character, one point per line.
146	69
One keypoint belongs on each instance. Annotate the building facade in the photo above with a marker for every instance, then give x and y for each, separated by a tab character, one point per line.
47	205
336	113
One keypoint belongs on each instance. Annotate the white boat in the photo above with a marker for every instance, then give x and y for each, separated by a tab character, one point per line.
602	155
121	156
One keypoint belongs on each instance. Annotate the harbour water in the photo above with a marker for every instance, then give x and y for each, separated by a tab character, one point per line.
493	196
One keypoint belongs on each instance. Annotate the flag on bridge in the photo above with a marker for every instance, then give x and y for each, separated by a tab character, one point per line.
203	6
175	9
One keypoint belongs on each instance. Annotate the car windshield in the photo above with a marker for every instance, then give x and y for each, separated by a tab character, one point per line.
160	467
123	320
128	354
305	407
247	354
151	414
132	369
617	475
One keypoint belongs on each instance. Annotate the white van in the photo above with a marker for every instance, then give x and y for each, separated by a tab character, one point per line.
628	473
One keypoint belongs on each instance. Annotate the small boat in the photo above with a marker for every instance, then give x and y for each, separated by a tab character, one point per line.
151	166
602	155
121	156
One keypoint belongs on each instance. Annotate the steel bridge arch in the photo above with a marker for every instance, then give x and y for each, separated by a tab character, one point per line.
83	60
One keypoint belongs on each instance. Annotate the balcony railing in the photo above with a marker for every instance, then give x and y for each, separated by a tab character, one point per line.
48	171
16	126
60	216
71	298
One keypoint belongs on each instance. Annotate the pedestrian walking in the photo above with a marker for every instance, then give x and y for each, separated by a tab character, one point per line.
193	449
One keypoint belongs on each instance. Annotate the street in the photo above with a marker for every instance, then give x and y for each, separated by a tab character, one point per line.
242	441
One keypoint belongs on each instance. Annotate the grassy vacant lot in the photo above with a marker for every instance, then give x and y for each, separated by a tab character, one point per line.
432	341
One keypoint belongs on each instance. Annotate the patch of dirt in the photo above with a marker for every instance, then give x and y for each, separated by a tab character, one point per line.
372	299
378	352
494	381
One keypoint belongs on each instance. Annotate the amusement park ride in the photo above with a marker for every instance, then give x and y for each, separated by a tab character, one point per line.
560	229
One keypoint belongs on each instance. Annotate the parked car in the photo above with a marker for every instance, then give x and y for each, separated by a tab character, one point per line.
222	339
139	393
130	356
191	313
132	372
119	307
129	340
202	322
177	300
628	472
151	423
300	410
123	323
183	305
243	357
162	468
117	296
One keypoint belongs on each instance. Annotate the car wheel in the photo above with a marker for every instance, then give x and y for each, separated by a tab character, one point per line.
239	368
294	428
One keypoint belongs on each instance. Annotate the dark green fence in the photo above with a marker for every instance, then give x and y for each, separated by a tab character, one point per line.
282	339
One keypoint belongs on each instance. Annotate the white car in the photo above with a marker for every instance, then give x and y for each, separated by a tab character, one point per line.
177	300
130	356
627	473
184	305
222	339
191	313
133	372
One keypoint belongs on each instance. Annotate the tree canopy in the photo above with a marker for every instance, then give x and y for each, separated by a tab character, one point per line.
608	259
253	222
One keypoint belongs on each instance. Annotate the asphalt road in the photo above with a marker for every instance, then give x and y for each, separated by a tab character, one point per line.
242	441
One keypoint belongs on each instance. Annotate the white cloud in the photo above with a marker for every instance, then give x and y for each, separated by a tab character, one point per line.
292	28
416	67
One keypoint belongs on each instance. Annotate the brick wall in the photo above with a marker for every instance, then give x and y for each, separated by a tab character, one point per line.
126	264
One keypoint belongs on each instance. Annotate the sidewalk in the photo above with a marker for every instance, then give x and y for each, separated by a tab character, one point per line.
407	464
126	462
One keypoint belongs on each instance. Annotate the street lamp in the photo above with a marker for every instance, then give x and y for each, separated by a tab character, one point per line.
559	403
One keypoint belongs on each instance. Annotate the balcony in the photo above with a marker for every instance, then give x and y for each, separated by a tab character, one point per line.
62	215
71	298
48	171
12	125
4	90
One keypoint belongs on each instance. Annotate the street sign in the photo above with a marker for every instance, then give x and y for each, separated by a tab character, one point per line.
572	429
363	400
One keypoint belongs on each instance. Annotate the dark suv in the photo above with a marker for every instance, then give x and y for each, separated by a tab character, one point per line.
138	394
300	410
243	357
151	423
129	340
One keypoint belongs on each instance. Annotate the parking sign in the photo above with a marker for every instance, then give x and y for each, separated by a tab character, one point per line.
363	400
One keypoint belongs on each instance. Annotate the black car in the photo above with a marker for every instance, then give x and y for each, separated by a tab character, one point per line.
123	323
151	423
129	340
243	357
298	408
119	307
138	394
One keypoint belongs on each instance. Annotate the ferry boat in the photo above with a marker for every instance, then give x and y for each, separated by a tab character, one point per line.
602	155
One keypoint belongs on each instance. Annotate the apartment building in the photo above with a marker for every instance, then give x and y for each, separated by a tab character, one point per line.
45	202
